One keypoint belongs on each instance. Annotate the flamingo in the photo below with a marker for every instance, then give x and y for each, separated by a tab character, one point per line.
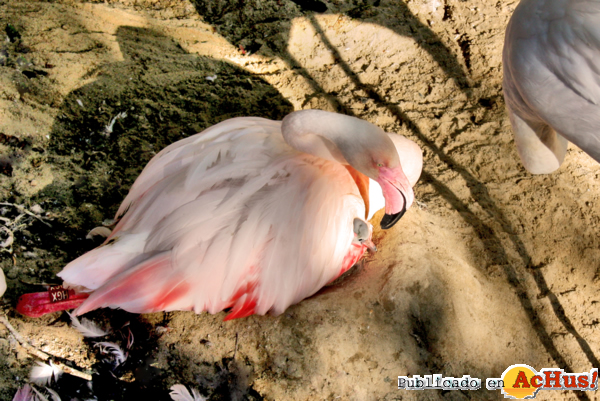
251	214
551	63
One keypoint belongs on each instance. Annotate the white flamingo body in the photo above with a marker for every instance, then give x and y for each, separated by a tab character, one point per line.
233	217
551	63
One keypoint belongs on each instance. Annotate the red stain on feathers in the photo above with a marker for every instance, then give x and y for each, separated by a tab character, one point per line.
136	284
178	291
353	255
243	302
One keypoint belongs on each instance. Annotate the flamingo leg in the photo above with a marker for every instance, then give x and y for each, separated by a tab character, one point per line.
55	299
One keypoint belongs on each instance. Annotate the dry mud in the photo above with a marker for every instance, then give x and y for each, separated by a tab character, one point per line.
494	266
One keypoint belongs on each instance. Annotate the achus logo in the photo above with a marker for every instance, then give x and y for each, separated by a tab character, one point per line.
523	382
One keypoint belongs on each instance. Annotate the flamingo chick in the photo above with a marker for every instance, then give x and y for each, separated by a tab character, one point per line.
251	214
551	63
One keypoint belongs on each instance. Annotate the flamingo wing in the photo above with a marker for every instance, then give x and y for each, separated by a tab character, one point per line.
229	218
551	62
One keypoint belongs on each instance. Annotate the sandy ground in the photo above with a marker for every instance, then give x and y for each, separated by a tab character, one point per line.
493	267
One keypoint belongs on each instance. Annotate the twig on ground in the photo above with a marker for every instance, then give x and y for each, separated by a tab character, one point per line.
24	210
236	345
40	354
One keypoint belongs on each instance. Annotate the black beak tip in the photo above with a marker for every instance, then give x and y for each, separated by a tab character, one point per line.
389	220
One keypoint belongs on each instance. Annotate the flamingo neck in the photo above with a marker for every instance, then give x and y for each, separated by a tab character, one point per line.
376	199
337	137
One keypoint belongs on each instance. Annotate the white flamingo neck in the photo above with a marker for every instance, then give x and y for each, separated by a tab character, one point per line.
332	136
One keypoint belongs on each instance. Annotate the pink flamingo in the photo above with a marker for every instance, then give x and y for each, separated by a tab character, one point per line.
251	214
551	65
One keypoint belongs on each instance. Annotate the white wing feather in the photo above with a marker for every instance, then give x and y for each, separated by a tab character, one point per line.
42	374
86	327
53	394
111	348
38	396
180	393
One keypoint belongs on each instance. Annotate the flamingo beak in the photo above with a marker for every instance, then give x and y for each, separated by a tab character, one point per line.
397	192
370	245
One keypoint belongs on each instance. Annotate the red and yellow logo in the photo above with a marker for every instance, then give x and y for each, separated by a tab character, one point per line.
517	382
523	382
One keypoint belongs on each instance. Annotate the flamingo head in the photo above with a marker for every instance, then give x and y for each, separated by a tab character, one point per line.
362	234
397	191
382	164
365	147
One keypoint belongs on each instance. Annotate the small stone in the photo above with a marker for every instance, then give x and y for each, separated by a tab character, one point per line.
12	273
22	355
34	183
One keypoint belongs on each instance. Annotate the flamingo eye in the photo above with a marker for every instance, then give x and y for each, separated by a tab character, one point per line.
379	164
